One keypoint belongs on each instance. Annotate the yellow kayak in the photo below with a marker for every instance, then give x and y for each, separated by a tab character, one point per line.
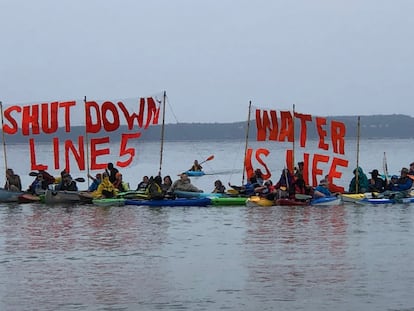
255	200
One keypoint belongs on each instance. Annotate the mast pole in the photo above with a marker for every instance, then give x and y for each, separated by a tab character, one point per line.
3	138
87	143
357	156
162	131
247	141
294	138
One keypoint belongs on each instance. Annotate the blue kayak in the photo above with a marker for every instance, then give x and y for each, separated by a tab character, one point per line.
169	202
195	173
192	194
327	201
386	201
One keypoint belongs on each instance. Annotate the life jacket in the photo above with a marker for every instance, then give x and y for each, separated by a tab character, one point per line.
154	191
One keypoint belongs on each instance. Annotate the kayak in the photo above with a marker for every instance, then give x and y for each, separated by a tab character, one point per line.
29	198
109	202
376	201
192	194
256	200
195	173
169	202
386	201
133	194
9	196
291	202
55	197
228	201
353	197
327	201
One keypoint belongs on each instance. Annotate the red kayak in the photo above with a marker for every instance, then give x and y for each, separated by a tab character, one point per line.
291	202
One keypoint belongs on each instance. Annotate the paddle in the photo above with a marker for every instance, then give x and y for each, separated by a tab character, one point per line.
78	179
208	159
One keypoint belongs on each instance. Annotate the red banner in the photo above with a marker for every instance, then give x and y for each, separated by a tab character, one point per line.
98	118
280	126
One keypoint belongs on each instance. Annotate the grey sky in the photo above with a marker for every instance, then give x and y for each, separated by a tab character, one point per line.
327	57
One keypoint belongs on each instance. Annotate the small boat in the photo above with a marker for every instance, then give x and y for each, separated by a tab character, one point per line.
63	196
256	200
192	194
327	201
376	201
228	201
29	198
195	173
352	197
109	202
291	202
9	196
169	202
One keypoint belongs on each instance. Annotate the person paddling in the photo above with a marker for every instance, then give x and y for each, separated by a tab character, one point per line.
196	167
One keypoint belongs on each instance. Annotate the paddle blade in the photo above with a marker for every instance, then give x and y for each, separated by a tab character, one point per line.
210	158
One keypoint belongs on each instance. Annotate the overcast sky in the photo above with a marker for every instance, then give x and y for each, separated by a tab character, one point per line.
328	57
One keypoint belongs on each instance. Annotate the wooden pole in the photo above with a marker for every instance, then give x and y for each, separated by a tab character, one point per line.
3	138
87	144
162	132
293	143
357	156
246	141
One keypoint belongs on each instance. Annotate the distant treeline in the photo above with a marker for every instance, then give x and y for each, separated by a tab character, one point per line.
376	126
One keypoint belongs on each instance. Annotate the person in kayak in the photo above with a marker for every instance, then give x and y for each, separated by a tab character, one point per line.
106	189
183	184
95	182
120	184
167	183
322	190
143	185
362	181
376	183
249	188
196	167
218	187
67	183
111	170
13	182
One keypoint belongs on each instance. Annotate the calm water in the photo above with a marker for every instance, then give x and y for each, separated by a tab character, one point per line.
346	257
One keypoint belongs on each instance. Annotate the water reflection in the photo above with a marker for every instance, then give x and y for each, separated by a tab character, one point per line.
294	249
85	256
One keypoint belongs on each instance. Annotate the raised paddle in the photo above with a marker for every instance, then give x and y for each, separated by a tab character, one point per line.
79	179
208	159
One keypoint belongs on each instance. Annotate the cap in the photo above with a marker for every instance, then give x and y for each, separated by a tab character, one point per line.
374	172
394	177
404	170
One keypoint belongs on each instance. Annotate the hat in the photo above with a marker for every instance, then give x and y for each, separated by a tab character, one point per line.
404	170
394	177
374	172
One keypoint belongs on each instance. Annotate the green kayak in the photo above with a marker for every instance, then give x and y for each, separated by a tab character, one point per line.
229	201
